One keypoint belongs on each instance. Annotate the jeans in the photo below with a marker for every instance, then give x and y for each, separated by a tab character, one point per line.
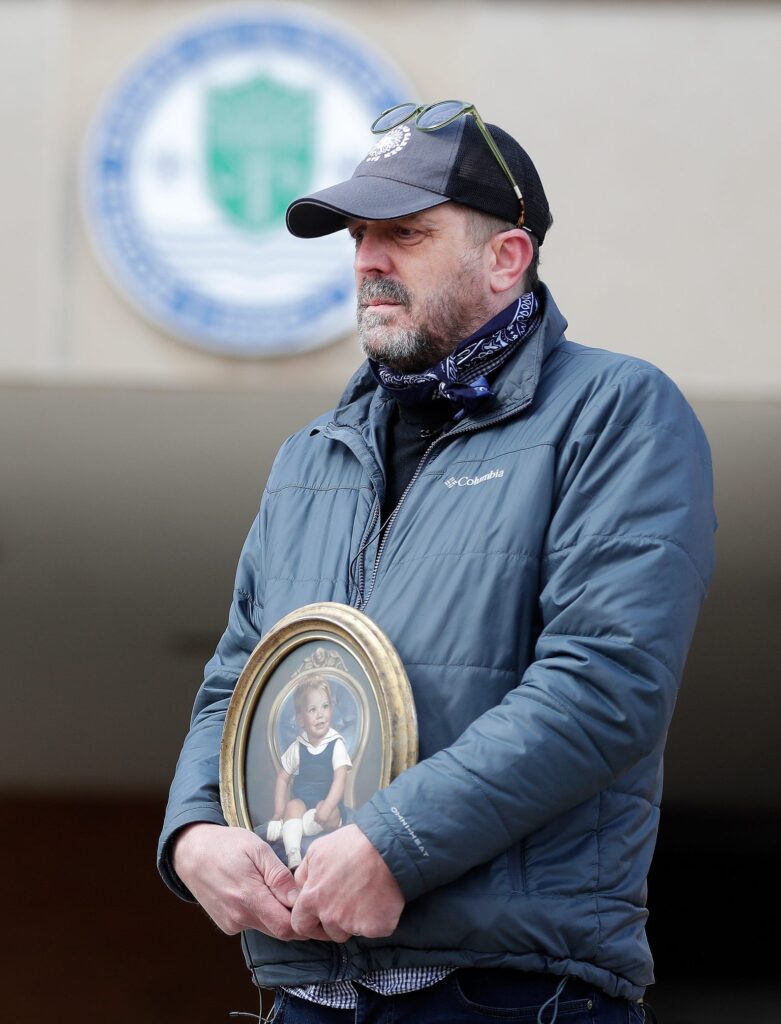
470	995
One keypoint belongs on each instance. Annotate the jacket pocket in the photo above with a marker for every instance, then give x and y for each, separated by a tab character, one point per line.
562	858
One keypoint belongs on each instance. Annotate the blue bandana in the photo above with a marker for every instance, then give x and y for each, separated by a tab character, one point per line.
462	377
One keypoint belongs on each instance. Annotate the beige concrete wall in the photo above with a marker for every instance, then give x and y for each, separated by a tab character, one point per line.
31	46
654	127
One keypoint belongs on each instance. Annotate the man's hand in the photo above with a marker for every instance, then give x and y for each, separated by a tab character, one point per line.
237	879
345	888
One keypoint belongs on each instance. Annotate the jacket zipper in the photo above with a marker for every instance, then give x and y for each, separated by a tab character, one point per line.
373	519
363	601
344	963
391	521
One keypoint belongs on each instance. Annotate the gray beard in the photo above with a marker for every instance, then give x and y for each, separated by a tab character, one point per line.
409	350
403	349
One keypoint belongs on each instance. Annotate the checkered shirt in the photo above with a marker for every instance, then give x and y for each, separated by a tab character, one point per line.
342	995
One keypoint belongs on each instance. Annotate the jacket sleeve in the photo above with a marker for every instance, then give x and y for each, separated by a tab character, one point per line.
195	793
625	568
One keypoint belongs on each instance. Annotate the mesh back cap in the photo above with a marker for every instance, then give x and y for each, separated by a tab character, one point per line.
408	170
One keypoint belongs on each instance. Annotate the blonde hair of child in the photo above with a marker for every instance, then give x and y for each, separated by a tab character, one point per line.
303	688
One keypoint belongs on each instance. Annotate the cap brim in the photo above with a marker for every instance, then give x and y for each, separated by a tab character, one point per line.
368	197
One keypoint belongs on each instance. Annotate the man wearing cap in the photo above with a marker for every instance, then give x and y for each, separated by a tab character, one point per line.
530	522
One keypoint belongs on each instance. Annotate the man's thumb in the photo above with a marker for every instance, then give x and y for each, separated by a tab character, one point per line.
281	883
290	895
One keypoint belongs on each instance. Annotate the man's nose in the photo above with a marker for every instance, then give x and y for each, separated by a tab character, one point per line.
372	256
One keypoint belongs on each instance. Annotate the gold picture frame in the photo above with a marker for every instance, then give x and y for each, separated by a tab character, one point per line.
334	651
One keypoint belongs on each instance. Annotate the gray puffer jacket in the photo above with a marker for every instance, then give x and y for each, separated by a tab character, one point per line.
541	583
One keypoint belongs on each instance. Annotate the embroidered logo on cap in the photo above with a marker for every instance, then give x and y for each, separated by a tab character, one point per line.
390	144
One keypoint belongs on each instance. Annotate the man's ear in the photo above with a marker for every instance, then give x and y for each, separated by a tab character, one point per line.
511	252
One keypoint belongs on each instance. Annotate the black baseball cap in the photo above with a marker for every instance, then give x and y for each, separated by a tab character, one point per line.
409	170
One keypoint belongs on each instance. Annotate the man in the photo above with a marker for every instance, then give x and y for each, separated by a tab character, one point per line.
530	522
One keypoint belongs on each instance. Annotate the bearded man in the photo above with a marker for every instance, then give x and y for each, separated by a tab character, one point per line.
530	522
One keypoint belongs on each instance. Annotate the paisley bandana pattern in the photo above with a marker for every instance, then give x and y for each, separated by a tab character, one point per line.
462	377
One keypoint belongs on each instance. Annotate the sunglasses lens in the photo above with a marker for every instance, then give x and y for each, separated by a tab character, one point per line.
439	114
395	116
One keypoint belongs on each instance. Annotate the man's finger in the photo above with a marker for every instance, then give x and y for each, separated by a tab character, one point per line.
268	915
335	932
277	877
305	921
302	873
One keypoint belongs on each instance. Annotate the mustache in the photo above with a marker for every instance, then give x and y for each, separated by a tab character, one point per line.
383	288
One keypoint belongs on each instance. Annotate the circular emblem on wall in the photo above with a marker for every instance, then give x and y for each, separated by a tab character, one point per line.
194	157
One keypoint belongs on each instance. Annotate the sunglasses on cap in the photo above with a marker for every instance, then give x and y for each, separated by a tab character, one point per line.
438	115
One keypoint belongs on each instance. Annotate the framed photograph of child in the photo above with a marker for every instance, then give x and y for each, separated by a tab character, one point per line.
322	716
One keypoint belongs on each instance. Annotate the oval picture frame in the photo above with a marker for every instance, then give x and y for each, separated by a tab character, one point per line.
337	653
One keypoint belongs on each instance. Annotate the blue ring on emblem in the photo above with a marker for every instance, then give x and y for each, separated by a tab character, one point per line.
149	282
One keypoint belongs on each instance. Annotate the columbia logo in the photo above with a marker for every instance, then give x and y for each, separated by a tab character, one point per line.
472	481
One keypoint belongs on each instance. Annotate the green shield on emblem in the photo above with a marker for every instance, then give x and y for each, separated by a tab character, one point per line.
259	141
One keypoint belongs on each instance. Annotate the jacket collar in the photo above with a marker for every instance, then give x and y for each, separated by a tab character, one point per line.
514	385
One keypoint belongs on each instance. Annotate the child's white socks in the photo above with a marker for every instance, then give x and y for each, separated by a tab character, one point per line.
311	827
292	831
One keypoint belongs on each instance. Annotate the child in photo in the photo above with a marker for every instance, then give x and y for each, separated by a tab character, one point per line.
311	782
